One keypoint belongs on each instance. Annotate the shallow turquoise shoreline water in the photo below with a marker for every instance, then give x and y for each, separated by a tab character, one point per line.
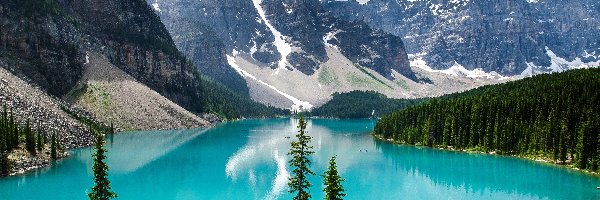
247	160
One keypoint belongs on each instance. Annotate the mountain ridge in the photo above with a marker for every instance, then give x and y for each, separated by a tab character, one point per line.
515	37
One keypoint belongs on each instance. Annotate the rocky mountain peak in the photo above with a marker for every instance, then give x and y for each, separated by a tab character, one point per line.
509	37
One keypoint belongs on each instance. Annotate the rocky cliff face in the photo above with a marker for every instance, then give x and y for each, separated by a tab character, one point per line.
201	45
49	46
294	41
42	48
283	34
48	41
509	37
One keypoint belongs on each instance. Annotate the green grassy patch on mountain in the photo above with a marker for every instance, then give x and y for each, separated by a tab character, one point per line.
362	69
328	77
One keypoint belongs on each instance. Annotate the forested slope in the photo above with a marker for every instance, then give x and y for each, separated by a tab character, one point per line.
361	104
553	116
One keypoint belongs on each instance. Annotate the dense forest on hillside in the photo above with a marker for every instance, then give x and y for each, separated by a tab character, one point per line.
361	104
553	116
216	98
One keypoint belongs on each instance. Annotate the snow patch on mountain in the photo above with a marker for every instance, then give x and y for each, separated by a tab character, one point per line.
330	36
156	7
560	64
455	70
363	2
530	70
298	104
282	46
87	58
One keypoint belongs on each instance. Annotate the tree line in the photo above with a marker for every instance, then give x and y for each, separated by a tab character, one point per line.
14	136
217	98
361	104
553	116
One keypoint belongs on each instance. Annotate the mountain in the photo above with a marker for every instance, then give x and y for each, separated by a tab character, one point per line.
514	37
282	34
51	42
291	53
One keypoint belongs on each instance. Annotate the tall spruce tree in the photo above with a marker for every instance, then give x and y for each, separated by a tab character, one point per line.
333	182
14	132
39	144
53	147
4	162
102	188
300	152
29	139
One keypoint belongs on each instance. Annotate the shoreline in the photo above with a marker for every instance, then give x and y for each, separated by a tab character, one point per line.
22	163
539	160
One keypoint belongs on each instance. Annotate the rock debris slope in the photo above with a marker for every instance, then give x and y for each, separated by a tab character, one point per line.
31	103
116	97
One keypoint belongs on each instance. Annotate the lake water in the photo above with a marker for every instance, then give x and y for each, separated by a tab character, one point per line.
247	160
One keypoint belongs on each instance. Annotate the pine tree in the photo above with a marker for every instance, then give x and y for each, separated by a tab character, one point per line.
53	147
4	163
300	150
333	182
564	134
3	128
39	143
14	132
426	133
29	139
102	188
447	130
44	139
475	121
112	128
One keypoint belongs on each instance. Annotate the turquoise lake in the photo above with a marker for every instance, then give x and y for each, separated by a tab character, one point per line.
247	160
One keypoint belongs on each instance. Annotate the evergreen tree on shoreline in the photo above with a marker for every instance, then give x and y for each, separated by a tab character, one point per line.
300	151
102	188
39	143
333	182
29	139
53	153
4	162
13	133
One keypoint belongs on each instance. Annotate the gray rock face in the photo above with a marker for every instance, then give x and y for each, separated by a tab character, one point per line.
49	45
203	45
49	55
304	25
501	36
